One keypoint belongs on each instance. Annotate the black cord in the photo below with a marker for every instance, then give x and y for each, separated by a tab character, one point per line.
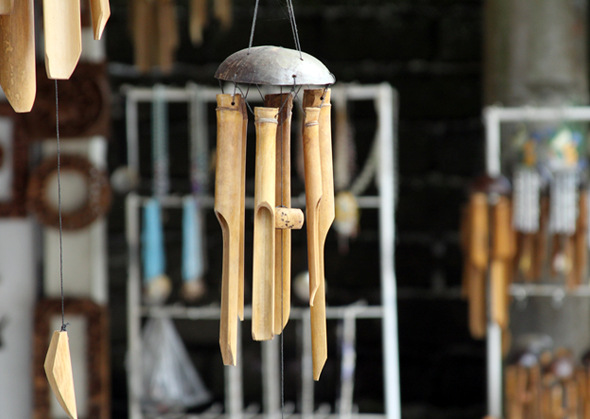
61	270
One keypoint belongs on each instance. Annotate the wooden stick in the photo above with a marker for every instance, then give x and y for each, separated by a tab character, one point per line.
144	21
58	368
283	102
477	304
540	241
264	224
198	20
63	37
228	193
17	56
6	7
510	385
101	11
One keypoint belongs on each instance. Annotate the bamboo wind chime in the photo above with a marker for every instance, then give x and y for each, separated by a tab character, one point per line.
273	216
63	44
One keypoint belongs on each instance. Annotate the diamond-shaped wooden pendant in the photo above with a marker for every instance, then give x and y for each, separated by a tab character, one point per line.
58	368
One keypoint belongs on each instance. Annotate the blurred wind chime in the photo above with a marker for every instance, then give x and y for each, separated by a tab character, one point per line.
154	29
63	46
547	200
273	217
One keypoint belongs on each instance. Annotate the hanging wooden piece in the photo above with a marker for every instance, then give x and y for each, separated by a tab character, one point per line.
17	56
101	11
58	368
228	192
63	37
282	303
263	272
198	20
6	7
581	240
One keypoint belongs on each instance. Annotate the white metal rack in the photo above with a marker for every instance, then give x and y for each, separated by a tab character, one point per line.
197	97
494	116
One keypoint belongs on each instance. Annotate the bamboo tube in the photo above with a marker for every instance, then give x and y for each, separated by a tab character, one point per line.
477	305
228	192
313	195
6	7
582	391
63	37
465	248
58	368
264	224
520	392
244	110
145	38
527	254
502	253
510	385
222	9
580	238
17	56
535	391
557	401
198	20
479	236
282	295
572	405
167	34
101	11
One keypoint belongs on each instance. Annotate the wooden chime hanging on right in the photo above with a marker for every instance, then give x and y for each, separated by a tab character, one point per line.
273	215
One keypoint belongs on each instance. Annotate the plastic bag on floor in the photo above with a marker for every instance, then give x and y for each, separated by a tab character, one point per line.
170	381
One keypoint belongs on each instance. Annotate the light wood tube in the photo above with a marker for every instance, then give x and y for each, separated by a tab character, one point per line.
502	254
479	230
242	209
284	102
581	245
6	7
263	273
17	56
63	37
228	195
313	195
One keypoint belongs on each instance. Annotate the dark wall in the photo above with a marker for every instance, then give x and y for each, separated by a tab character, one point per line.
429	50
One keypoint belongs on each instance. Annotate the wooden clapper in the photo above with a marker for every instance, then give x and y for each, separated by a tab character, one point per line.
273	216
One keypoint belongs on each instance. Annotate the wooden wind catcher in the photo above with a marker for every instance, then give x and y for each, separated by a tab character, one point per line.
273	216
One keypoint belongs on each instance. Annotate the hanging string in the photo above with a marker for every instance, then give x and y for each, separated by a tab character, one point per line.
253	26
292	21
294	28
61	268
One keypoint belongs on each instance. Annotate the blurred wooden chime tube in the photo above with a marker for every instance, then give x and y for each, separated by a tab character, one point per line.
154	28
492	249
547	387
273	217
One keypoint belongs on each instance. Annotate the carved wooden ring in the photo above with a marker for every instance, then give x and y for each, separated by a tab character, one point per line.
98	198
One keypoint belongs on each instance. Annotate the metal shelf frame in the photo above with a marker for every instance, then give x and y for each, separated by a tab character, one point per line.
197	98
493	117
